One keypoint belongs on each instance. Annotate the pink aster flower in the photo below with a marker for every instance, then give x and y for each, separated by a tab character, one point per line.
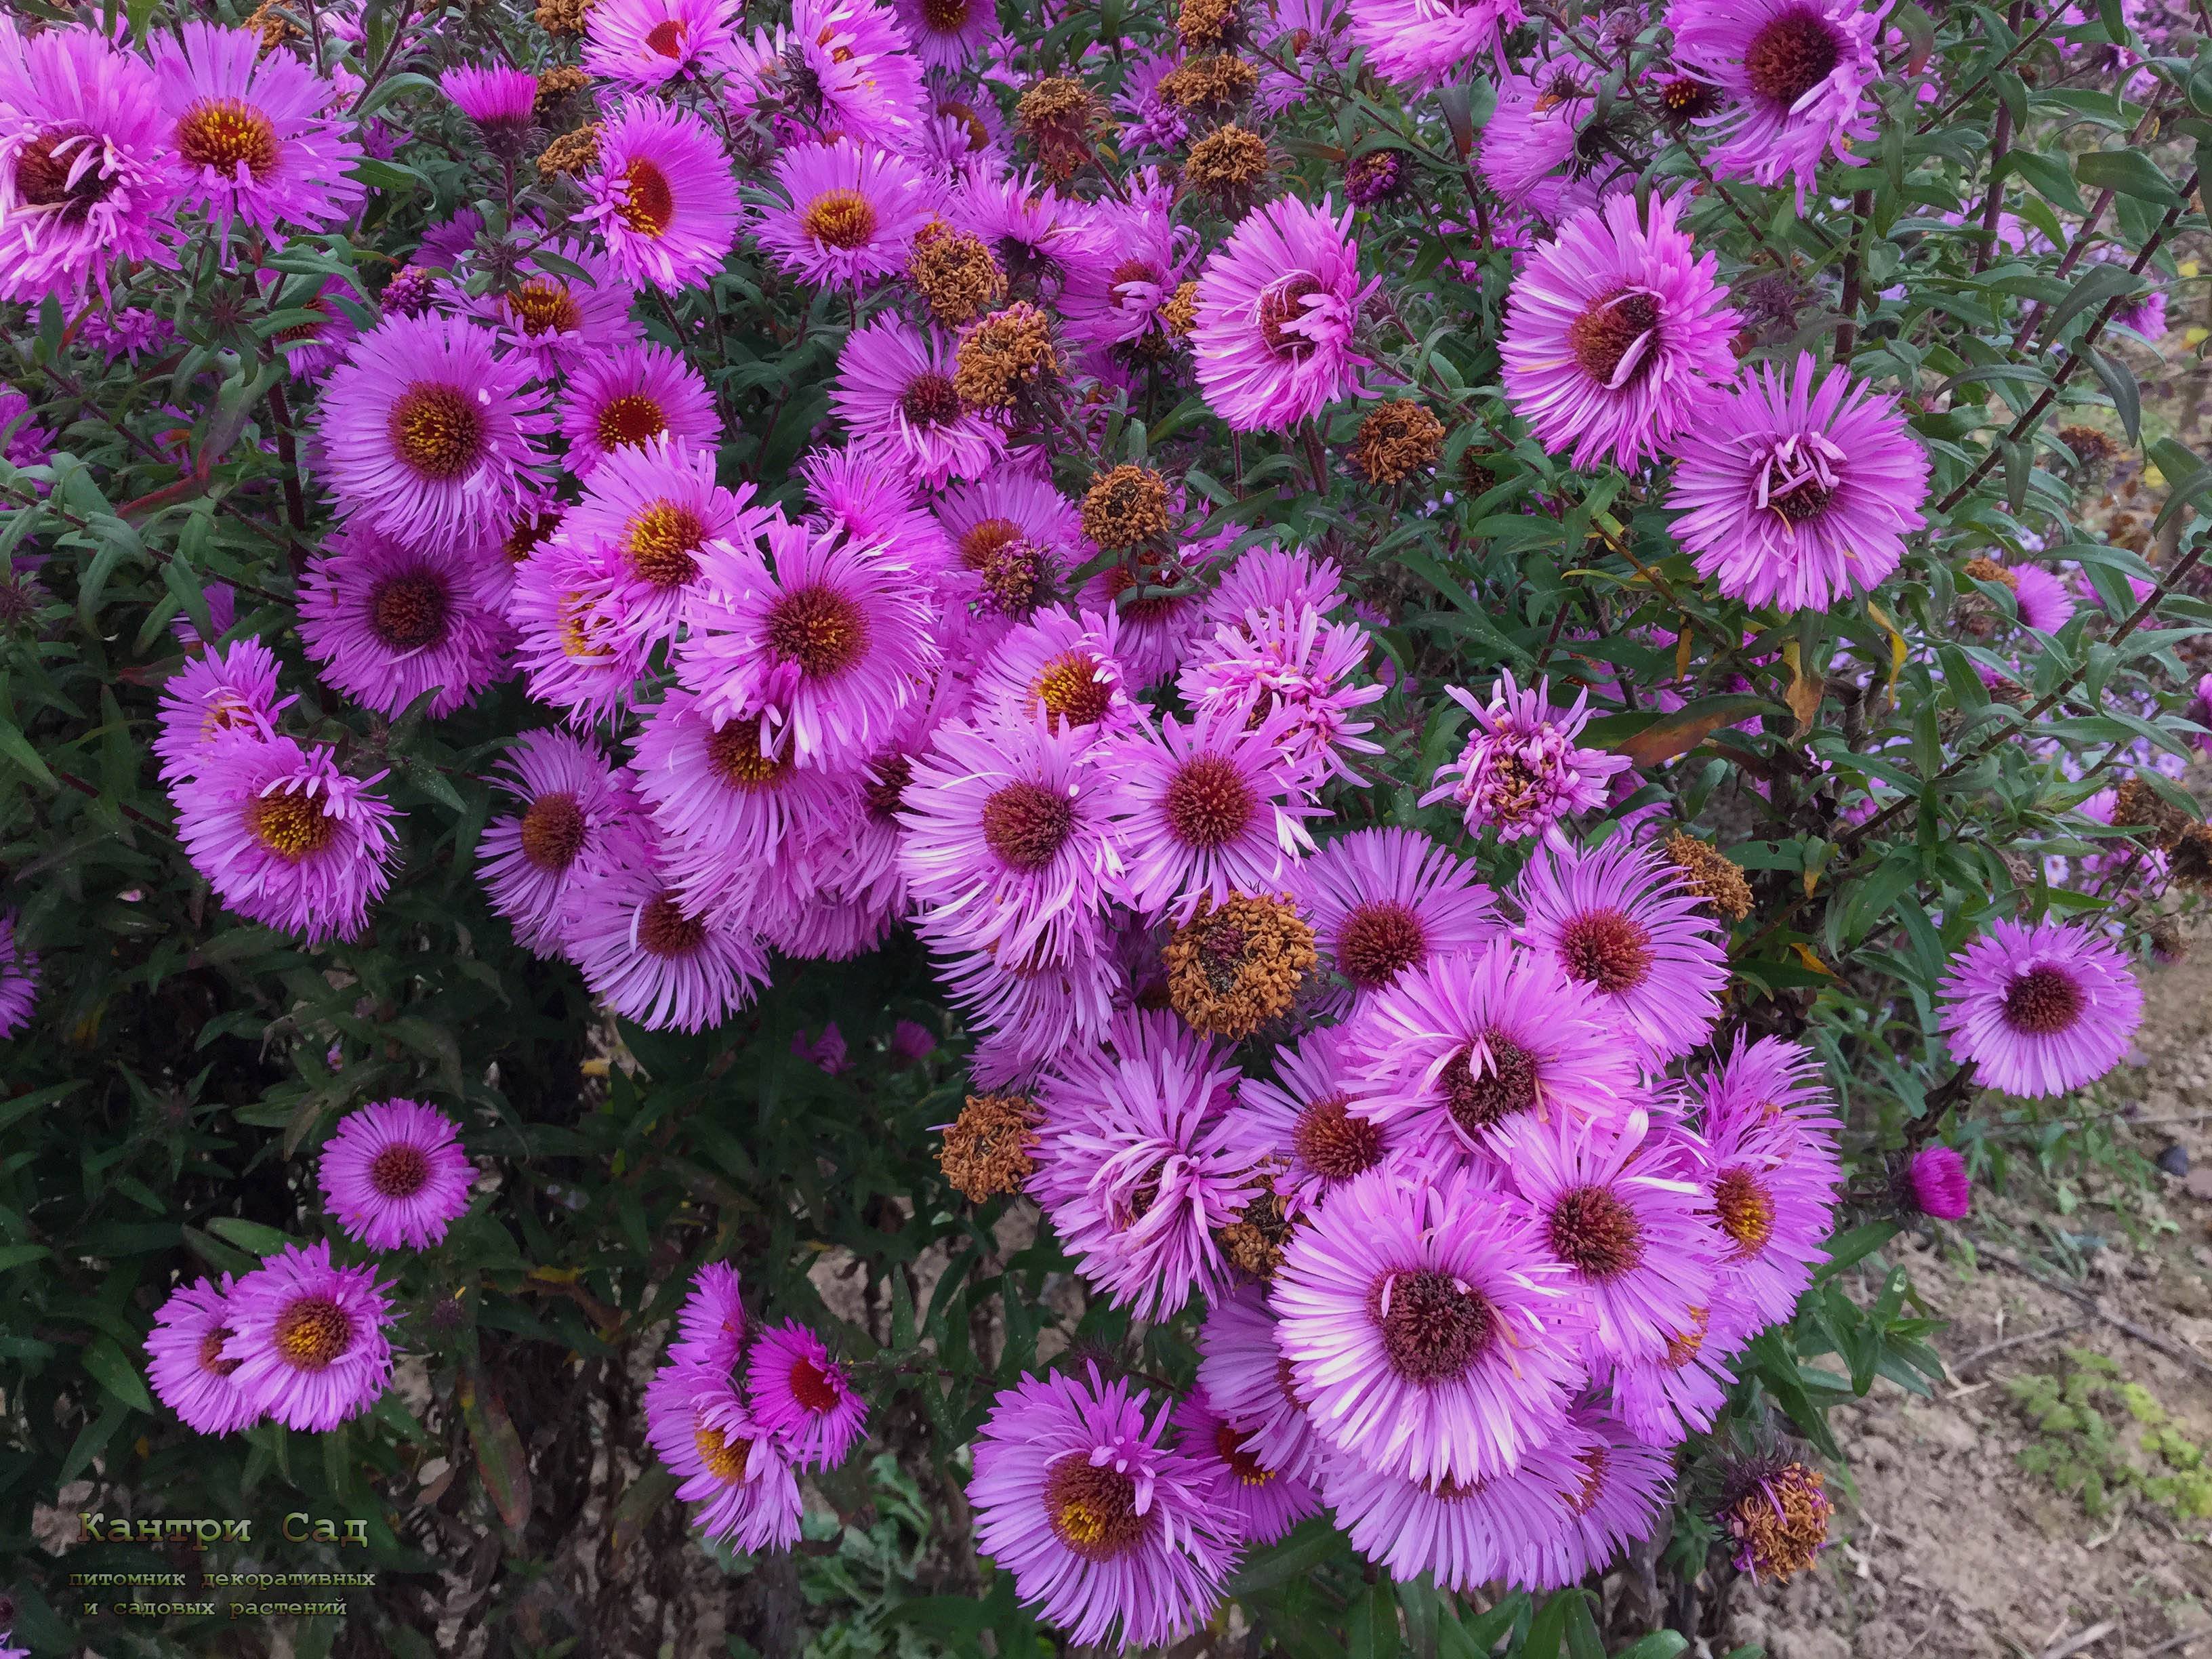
309	1338
663	197
254	132
1063	669
285	838
1294	661
1521	771
1135	257
224	688
576	644
800	1397
710	1324
726	1465
1041	239
390	623
895	394
1206	810
1771	1192
185	1362
1620	921
1467	1046
1616	333
822	641
630	395
556	319
1007	845
842	67
1421	44
650	962
1638	1254
1771	1084
395	1175
1681	1392
2042	599
1383	902
1801	490
498	99
1937	1180
1313	37
2039	1008
1271	578
646	44
1144	1115
1423	1327
1624	1486
1246	1378
88	176
852	492
848	215
1794	75
1307	1129
950	35
1256	1503
1011	538
19	978
1530	137
1030	1012
1106	1528
577	814
430	435
313	348
1277	303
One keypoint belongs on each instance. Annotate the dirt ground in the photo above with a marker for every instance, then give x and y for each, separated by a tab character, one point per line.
1946	1546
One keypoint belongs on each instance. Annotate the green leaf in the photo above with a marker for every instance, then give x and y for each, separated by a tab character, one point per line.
17	748
14	1255
2119	384
2098	284
1660	1645
2129	173
1372	1629
501	1459
1847	1250
1582	1640
1548	1630
1306	1549
1662	738
248	1235
106	1363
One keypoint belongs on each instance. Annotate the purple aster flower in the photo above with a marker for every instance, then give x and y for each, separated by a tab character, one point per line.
1771	1191
1468	1045
2042	599
559	321
1109	1531
844	66
848	215
1271	578
1007	845
1624	1488
126	334
831	927
576	644
663	197
185	1362
1149	120
1246	1378
629	395
390	623
1134	1167
911	1043
1383	902
1206	810
395	1175
1771	1084
725	1463
1306	1129
1065	670
1616	333
1638	1254
1031	1013
1011	538
1621	922
19	978
1794	74
895	395
1424	1326
710	1324
950	35
1294	661
1936	1177
1465	1534
1681	1392
1314	37
2041	1008
646	44
577	814
1531	135
822	641
1134	257
1421	44
1801	490
1277	305
428	435
229	688
650	962
254	132
309	1338
870	502
499	100
800	1397
1041	238
86	173
743	829
1521	771
284	837
1256	1503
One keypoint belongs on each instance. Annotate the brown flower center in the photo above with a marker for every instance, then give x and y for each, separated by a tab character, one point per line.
313	1332
811	1387
223	132
1433	1326
1506	1087
1229	1446
840	218
410	612
43	168
664	929
1026	824
400	1170
1601	336
291	823
211	1347
1093	1510
1285	303
1801	502
438	431
1333	1143
660	542
1209	802
945	16
886	786
734	752
529	534
553	832
931	400
820	629
1377	942
1745	1209
1790	56
1606	949
629	419
2042	1002
648	205
1593	1230
543	305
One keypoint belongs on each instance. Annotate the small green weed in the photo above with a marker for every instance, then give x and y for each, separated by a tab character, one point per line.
2101	1438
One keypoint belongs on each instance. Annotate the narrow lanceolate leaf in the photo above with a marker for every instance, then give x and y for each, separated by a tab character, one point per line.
500	1459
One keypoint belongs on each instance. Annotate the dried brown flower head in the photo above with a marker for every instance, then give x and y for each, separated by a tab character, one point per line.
954	273
999	356
274	28
1228	167
1232	969
1711	875
986	1151
2136	805
555	86
1253	1242
572	152
1780	1523
2091	447
1475	475
1061	116
1180	314
1989	570
1126	506
1215	85
562	16
1206	25
1398	439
